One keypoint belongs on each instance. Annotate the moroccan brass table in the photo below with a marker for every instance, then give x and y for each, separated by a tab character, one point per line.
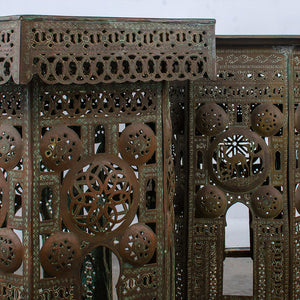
85	152
236	140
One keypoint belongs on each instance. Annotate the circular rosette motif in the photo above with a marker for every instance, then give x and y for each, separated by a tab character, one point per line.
210	202
99	196
3	198
238	160
211	119
10	147
266	119
137	143
11	251
60	254
138	244
267	202
60	148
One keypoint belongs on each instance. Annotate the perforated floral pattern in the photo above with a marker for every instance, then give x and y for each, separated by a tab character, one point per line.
11	251
60	148
60	254
138	244
99	196
137	143
11	146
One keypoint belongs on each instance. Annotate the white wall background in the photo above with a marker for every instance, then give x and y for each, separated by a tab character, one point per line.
233	16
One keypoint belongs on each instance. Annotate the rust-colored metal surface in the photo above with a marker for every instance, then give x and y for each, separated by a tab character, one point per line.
210	202
138	244
247	159
237	160
137	143
87	173
92	50
60	148
11	147
242	137
60	254
179	98
11	251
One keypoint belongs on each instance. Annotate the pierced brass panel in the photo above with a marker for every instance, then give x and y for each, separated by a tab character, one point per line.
86	170
93	50
235	144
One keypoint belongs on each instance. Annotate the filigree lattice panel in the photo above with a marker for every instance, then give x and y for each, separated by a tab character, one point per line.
207	238
92	170
238	153
87	154
15	193
179	95
9	46
92	50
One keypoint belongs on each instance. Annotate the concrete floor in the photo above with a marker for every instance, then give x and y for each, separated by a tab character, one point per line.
238	276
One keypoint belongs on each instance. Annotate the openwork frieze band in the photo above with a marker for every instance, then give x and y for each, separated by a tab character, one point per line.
67	50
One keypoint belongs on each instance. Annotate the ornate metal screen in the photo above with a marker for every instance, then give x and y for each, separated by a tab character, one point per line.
243	147
294	175
85	153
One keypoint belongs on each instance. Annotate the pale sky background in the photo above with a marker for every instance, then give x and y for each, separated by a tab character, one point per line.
233	16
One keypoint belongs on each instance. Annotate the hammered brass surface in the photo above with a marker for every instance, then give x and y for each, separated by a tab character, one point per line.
101	84
294	176
88	148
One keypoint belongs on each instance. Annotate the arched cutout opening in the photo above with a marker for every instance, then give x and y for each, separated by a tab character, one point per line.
100	272
238	263
237	231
